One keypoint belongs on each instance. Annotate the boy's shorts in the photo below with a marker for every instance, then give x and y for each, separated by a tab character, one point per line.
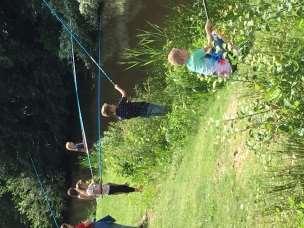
218	45
220	51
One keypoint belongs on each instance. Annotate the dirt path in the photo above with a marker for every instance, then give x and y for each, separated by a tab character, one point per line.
235	153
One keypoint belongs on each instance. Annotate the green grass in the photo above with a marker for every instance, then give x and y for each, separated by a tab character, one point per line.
202	190
206	191
226	174
127	209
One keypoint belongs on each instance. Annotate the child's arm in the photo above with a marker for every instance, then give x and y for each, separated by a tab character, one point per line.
208	29
226	40
80	191
85	197
122	92
78	184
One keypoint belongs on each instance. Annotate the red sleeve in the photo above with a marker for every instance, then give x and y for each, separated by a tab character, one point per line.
81	225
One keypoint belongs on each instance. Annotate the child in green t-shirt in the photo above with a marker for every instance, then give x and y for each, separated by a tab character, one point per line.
209	60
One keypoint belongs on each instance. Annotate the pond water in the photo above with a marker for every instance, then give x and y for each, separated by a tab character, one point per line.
121	21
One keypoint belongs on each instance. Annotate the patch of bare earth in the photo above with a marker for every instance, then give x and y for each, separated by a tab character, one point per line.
234	153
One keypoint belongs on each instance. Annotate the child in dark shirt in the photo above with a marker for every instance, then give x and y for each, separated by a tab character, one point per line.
126	109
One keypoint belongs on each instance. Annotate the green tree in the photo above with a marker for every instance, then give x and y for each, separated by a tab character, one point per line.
84	19
34	111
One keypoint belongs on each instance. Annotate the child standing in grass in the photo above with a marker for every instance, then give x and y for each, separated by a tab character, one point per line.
210	60
126	109
93	190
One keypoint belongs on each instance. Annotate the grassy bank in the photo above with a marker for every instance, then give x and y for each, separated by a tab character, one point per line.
135	205
212	187
219	182
228	154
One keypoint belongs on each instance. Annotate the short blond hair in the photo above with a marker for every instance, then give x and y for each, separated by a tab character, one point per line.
174	57
68	145
106	110
72	192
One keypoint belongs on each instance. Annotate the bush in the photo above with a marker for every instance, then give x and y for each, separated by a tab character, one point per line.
142	149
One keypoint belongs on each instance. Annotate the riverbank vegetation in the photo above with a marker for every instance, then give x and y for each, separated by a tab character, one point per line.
210	162
34	113
36	108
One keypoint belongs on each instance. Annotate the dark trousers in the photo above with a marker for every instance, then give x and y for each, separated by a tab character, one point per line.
153	110
120	189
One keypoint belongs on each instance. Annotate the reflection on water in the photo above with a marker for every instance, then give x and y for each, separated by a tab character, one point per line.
116	17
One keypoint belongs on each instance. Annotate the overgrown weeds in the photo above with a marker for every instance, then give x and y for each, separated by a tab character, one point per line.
142	149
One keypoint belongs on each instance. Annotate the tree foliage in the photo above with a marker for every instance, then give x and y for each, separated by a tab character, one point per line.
83	18
34	111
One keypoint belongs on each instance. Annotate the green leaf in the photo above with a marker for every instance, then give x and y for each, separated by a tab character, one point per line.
273	94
